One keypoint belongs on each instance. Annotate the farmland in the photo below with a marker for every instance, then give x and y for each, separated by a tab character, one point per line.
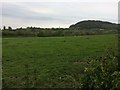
50	61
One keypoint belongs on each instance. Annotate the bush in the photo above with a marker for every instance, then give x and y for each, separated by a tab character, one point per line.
102	72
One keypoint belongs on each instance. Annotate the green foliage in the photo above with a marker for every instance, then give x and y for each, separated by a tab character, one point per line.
50	33
102	72
9	28
94	24
89	27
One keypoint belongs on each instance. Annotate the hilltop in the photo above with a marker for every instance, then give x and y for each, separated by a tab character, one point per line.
94	24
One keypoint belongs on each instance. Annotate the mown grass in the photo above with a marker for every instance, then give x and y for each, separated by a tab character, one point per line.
50	61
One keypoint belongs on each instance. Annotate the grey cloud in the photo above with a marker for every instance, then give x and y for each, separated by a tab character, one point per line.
15	11
66	13
19	12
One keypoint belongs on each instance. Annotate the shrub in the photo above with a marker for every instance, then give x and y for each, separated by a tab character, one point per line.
102	72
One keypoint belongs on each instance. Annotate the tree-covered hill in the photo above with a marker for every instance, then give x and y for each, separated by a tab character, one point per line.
94	24
89	27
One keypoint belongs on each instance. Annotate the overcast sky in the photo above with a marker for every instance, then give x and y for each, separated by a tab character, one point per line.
59	13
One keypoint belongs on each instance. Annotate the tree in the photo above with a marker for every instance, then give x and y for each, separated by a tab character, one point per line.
4	28
9	28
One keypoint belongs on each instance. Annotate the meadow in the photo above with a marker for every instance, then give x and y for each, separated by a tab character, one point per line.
38	62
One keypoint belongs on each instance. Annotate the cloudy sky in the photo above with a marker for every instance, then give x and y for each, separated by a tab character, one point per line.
59	13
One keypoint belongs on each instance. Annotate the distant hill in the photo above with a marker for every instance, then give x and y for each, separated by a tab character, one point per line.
94	24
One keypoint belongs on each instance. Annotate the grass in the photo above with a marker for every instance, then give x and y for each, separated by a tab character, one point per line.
50	61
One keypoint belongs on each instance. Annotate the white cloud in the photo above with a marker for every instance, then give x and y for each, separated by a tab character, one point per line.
60	0
42	10
55	14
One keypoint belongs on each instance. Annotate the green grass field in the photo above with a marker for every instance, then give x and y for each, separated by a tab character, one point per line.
50	61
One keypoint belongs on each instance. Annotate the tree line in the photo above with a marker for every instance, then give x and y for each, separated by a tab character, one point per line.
90	27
